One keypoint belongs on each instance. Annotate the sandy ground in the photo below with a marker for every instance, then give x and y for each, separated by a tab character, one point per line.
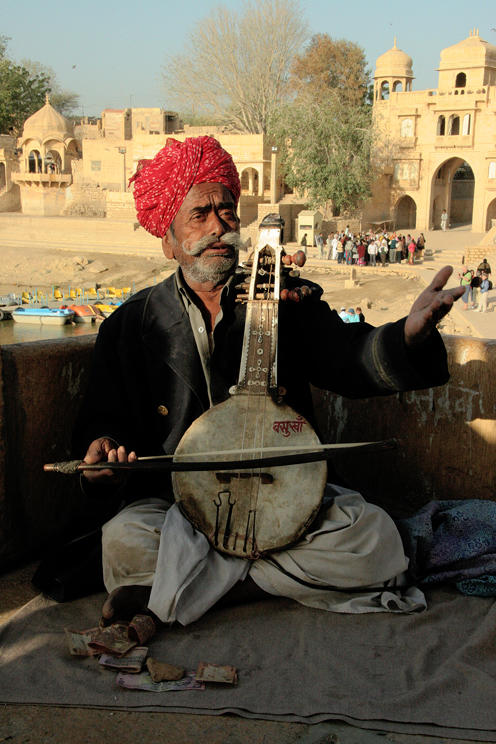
384	294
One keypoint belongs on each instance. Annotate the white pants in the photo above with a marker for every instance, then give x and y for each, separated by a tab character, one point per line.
351	560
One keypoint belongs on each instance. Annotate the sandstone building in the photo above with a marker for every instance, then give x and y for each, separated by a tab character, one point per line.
438	147
441	142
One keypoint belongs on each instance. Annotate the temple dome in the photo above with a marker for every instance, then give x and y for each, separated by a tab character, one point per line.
47	122
470	52
394	63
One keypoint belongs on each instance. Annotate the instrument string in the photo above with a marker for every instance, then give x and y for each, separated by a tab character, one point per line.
267	330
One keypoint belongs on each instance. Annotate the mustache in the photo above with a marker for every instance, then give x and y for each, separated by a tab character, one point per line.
231	239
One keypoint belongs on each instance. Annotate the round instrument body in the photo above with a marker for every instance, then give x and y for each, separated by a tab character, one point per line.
247	513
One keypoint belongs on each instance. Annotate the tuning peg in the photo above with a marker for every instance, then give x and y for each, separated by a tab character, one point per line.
299	259
294	294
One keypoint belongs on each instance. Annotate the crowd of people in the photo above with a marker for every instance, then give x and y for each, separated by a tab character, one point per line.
477	285
368	249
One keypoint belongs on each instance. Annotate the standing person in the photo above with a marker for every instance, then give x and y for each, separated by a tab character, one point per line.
303	243
340	250
329	246
484	266
392	249
383	250
174	350
475	289
348	250
344	315
320	244
444	220
352	316
334	248
465	281
420	245
484	293
372	251
361	316
361	251
411	251
400	249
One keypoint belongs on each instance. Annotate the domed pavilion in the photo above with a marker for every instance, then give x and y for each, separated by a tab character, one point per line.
48	149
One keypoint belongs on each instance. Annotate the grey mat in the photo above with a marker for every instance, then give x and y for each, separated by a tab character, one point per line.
433	673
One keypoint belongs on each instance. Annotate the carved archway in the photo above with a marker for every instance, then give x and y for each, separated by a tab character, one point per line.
490	214
406	213
452	188
35	164
250	182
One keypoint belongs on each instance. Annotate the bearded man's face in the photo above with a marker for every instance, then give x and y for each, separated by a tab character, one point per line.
205	237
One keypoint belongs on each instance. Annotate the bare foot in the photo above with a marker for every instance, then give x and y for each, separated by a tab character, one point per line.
125	602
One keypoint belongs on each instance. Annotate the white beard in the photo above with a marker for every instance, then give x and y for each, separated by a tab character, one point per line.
215	269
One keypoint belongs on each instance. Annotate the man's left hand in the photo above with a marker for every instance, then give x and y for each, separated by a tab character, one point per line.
430	306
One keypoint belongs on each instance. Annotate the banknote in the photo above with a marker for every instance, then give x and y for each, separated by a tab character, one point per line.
79	640
113	640
143	681
131	662
226	675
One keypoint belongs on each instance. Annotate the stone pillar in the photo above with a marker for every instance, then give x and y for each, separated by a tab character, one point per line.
250	182
122	151
274	195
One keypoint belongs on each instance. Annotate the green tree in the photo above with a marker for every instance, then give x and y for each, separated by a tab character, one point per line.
325	147
331	64
236	65
65	101
21	94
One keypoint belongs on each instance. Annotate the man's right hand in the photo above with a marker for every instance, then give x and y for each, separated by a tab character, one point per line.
106	450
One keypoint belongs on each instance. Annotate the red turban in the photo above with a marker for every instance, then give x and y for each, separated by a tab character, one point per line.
161	184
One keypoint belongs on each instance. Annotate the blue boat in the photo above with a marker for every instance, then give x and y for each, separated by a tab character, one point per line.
44	315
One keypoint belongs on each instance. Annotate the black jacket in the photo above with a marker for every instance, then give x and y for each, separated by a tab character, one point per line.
147	384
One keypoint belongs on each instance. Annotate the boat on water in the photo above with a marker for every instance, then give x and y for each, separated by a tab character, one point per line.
106	309
43	315
84	313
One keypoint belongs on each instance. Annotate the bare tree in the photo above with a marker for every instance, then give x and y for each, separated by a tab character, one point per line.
236	65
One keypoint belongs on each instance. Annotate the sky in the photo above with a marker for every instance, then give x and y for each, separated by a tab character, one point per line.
112	53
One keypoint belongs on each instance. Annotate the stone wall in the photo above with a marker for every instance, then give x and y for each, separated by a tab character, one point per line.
85	200
485	249
120	205
446	438
10	199
41	384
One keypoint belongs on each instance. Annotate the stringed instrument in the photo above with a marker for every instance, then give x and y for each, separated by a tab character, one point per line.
250	472
248	512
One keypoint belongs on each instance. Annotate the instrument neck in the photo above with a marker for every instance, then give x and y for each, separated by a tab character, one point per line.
258	369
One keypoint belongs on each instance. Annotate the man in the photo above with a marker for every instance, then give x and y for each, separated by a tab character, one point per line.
372	251
484	266
444	220
484	290
173	350
320	244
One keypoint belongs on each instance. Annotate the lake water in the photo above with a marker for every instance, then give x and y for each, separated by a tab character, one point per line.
16	333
